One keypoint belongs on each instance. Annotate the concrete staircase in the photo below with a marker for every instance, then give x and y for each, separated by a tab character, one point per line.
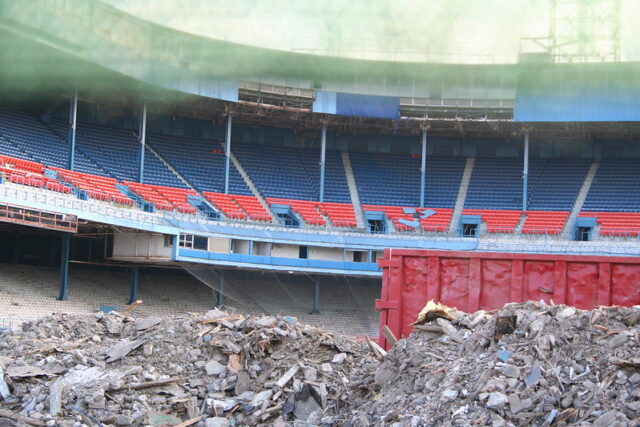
353	190
171	168
462	195
253	188
518	229
582	196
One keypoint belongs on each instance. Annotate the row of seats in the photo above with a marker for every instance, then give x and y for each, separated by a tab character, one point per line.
307	210
544	222
24	136
201	162
498	221
553	184
248	207
97	187
108	155
616	187
252	206
340	214
164	198
293	173
438	222
115	152
25	172
616	223
236	206
314	213
391	179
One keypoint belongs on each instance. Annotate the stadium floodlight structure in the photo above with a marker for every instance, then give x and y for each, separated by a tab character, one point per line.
585	30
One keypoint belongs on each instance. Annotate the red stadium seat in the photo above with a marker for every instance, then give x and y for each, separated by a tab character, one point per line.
97	187
26	172
438	222
544	222
616	224
498	221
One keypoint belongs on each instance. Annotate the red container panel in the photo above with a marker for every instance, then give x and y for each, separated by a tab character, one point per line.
471	281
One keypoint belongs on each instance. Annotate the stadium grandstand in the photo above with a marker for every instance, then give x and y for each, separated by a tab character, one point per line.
269	179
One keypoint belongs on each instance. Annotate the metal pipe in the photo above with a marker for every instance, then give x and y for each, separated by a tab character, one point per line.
73	116
323	152
143	141
525	171
227	153
423	168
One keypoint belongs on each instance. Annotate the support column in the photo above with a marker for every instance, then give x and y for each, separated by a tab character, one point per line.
323	152
423	168
220	291
64	267
525	171
316	296
133	286
17	249
73	115
227	153
142	133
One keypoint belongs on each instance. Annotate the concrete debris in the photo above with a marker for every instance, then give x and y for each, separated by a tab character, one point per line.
525	364
539	365
217	369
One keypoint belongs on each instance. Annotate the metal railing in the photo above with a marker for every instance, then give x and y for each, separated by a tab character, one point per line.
54	200
38	218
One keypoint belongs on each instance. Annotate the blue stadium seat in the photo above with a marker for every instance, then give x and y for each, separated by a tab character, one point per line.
615	188
201	162
294	173
394	180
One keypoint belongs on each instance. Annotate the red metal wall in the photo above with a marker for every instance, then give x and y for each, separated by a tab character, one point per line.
473	281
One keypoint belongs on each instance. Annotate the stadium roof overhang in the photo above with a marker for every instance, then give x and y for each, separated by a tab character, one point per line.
47	49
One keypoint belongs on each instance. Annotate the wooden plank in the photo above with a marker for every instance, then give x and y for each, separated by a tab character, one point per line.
388	334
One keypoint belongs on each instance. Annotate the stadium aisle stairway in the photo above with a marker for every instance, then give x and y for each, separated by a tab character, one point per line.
201	162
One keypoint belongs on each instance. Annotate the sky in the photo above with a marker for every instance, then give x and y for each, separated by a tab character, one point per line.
451	31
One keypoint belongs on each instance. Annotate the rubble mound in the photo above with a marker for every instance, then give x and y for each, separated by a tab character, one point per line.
219	369
526	364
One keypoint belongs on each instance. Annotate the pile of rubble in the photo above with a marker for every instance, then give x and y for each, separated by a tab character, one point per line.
526	364
219	369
